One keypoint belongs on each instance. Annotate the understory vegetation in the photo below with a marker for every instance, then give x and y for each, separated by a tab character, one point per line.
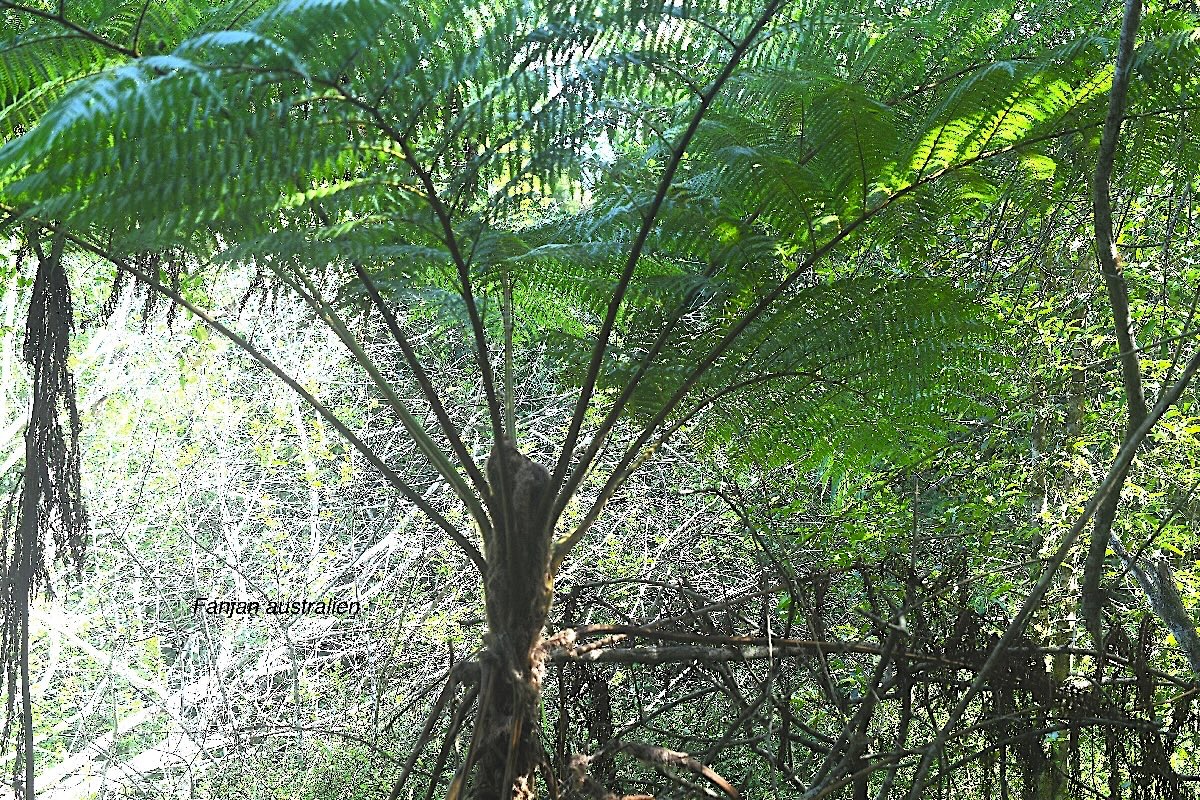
610	400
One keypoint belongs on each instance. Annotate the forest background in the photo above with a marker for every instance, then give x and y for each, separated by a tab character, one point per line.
702	398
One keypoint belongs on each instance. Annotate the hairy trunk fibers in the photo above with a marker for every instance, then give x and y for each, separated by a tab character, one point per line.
506	747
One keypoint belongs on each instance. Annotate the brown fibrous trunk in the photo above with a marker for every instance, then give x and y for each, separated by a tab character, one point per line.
518	594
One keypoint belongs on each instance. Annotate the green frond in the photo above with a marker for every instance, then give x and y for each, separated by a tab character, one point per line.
848	136
1169	63
35	71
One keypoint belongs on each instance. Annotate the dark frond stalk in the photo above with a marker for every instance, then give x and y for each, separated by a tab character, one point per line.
428	390
649	218
442	213
483	354
426	735
137	31
641	449
358	444
1118	299
613	416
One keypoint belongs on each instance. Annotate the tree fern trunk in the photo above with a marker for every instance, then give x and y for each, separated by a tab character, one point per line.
518	593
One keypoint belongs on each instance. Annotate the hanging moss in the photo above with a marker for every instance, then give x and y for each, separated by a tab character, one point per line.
47	506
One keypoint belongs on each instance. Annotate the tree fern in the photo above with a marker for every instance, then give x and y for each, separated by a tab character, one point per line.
729	221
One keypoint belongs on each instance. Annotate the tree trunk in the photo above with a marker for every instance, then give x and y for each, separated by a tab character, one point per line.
507	747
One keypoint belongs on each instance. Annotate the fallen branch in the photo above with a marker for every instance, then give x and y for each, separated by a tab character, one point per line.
662	757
